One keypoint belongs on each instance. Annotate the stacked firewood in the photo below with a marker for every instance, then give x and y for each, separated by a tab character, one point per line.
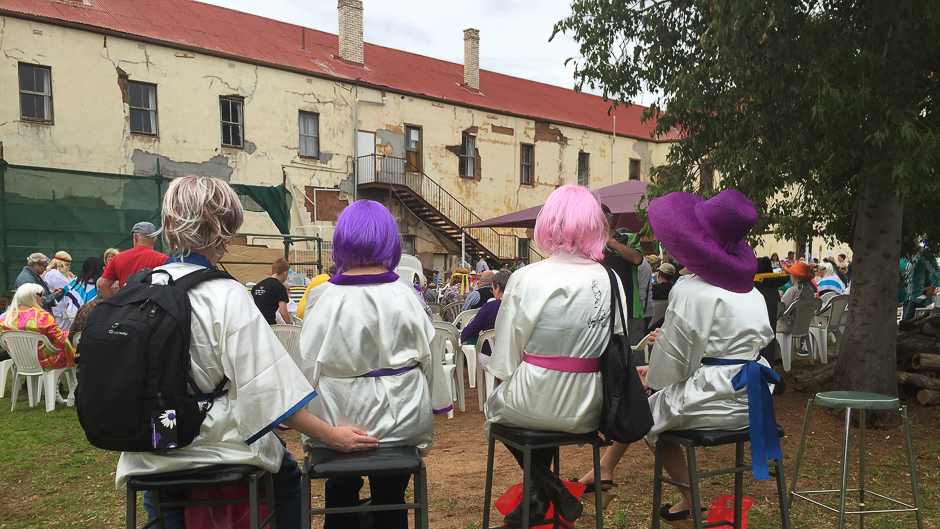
918	355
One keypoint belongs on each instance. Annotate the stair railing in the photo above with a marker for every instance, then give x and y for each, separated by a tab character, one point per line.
398	171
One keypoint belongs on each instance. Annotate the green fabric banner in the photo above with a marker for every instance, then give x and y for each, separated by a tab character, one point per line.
273	199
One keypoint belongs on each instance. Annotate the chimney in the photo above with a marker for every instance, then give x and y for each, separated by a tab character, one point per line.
471	58
350	30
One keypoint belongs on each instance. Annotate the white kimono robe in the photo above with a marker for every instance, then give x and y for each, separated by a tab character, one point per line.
557	307
60	310
230	338
703	320
376	322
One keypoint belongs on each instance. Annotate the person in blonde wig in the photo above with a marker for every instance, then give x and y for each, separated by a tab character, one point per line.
26	314
231	341
58	275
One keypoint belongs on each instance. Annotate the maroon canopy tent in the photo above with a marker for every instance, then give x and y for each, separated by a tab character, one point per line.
620	198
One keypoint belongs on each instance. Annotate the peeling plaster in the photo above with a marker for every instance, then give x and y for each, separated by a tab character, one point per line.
325	157
642	149
250	147
348	185
216	167
393	139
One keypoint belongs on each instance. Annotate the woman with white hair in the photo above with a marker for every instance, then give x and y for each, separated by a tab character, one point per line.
232	343
58	275
828	279
26	314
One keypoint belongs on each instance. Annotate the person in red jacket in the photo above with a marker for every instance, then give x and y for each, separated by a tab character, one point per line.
128	262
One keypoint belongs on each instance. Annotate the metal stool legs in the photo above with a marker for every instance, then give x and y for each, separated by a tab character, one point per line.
861	490
740	467
158	505
527	476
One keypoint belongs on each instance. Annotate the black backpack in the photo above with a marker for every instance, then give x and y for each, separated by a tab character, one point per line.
625	415
133	367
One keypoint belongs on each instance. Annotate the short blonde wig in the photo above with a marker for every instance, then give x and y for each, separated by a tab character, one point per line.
109	254
200	213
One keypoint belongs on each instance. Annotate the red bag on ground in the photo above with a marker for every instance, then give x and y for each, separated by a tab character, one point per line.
723	509
512	497
229	516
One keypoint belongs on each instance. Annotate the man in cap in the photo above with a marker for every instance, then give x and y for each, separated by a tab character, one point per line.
32	273
128	262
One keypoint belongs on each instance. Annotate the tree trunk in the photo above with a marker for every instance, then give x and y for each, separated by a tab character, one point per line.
867	355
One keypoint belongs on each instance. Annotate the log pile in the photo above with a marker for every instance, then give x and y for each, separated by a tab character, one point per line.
918	357
918	361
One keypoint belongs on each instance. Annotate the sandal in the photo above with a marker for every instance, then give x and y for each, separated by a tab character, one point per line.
675	516
606	485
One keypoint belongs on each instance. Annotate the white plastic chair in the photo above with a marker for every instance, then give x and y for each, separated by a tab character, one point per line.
23	347
487	380
289	336
460	322
437	355
451	311
5	367
803	311
829	320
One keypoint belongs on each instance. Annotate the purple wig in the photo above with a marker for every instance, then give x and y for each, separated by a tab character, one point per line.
366	234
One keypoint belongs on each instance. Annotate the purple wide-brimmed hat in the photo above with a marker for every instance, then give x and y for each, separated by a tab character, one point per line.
707	236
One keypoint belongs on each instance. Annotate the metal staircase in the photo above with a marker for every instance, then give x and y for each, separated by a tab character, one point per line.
435	206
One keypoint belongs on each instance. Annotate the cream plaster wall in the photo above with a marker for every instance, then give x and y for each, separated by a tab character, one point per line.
91	125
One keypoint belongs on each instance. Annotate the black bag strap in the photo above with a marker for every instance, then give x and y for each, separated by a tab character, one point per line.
615	303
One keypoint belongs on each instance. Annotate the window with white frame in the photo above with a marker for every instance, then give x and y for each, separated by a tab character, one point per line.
143	106
525	164
467	156
413	148
35	93
233	121
309	134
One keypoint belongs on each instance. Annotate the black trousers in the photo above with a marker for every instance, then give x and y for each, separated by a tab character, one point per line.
541	457
386	490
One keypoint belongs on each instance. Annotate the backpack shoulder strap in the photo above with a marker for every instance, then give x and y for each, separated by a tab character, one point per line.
192	279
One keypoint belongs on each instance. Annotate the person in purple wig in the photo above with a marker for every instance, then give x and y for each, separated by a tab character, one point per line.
365	348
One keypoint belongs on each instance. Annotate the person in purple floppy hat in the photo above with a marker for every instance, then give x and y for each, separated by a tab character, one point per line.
705	360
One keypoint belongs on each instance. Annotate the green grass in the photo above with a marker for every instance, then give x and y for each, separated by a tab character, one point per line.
51	476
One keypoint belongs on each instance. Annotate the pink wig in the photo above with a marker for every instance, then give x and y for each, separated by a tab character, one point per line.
572	221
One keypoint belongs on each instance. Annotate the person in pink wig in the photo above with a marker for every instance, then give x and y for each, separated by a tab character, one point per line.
552	327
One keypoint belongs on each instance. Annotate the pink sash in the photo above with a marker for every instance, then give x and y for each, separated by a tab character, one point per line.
565	364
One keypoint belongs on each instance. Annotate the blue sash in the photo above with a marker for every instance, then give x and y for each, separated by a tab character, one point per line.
765	444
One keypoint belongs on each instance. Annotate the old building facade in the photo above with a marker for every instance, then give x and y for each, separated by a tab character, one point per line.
167	87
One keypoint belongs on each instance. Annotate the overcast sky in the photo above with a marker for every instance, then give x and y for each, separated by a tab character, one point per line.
513	34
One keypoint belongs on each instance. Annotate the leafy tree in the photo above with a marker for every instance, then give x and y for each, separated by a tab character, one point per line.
825	113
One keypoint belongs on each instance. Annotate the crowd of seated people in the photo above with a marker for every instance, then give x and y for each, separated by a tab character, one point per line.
364	375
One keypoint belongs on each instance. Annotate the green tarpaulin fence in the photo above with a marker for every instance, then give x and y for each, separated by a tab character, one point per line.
84	213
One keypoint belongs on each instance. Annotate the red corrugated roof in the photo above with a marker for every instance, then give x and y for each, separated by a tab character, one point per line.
223	31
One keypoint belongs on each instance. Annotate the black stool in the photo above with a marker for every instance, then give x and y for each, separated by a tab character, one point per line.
693	438
202	478
528	440
322	463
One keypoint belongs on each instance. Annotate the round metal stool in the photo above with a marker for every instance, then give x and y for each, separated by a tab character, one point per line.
860	402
